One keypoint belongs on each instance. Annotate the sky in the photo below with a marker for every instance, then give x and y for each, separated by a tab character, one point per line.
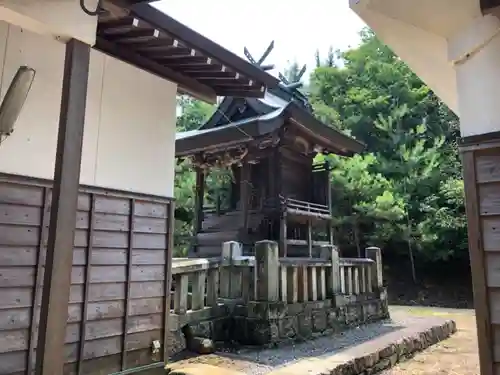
298	28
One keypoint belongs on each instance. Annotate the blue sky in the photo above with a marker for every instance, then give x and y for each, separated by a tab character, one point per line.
298	28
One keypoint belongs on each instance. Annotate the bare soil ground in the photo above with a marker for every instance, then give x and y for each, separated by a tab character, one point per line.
454	356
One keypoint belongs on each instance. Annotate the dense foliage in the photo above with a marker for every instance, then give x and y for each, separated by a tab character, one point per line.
405	193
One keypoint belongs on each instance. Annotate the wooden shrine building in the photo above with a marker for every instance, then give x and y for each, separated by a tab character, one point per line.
267	146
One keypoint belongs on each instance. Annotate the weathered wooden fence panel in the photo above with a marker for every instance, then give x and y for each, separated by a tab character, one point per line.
120	261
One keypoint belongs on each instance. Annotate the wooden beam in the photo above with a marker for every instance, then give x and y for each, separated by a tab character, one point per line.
174	61
193	39
228	83
205	69
213	75
239	93
58	264
186	84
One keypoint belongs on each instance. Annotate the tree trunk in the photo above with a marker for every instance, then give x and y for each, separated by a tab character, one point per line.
410	252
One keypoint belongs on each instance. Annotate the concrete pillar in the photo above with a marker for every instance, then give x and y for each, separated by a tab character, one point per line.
228	283
375	254
267	266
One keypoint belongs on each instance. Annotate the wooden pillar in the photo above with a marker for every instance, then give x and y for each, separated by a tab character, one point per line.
309	238
199	197
283	248
329	203
328	187
168	279
277	171
245	194
57	279
481	173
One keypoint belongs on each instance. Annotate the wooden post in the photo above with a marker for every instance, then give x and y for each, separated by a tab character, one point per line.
274	170
199	195
309	238
283	234
217	203
328	187
267	268
50	354
128	282
244	194
168	279
375	254
329	203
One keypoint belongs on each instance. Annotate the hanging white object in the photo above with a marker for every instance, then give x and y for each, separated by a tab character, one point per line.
15	98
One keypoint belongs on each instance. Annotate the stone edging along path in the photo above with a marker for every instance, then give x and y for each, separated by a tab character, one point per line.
375	355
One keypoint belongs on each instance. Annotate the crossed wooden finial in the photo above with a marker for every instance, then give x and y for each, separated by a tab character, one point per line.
290	85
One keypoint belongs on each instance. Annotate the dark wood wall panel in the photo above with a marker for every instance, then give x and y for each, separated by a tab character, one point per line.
120	260
296	175
482	182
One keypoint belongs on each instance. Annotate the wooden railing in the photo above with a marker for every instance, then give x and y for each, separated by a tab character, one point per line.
295	206
299	207
201	286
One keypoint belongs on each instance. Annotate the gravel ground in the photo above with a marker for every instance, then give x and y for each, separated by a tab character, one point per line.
259	362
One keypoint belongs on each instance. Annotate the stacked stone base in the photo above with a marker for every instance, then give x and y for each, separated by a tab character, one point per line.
400	351
273	323
264	323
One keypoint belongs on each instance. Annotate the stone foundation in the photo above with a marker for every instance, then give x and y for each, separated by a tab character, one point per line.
272	323
263	323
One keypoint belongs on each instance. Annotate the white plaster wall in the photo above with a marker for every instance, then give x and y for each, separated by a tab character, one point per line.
129	134
62	19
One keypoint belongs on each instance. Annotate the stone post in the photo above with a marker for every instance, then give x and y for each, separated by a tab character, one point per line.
267	268
331	253
375	254
230	251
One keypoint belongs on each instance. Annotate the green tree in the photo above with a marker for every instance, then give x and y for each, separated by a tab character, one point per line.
191	115
406	193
